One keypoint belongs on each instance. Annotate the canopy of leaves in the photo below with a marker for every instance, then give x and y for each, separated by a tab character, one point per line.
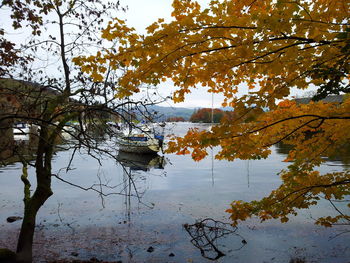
270	47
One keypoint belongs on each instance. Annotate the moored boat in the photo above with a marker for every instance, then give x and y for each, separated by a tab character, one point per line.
140	140
21	128
140	145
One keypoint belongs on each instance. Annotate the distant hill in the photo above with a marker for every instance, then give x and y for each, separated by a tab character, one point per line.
330	98
166	112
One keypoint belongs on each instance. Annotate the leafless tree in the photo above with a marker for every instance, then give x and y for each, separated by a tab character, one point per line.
40	86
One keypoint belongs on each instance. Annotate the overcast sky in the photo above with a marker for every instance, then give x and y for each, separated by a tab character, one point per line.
142	13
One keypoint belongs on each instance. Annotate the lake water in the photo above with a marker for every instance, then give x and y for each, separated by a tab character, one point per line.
167	193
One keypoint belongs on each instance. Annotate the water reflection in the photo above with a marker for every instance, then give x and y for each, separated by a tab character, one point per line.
142	162
123	229
207	235
133	166
341	156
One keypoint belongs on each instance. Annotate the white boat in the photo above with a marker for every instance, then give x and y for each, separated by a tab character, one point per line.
114	128
139	145
21	128
140	140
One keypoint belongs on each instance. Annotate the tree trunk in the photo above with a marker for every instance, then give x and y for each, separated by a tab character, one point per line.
25	239
42	193
31	208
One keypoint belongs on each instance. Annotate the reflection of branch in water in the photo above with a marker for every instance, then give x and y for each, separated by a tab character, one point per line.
205	235
130	183
61	220
127	188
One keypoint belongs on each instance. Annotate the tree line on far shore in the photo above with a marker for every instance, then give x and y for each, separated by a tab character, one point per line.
205	115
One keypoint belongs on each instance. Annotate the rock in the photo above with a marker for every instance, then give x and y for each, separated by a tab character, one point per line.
7	256
12	219
150	249
244	242
171	255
